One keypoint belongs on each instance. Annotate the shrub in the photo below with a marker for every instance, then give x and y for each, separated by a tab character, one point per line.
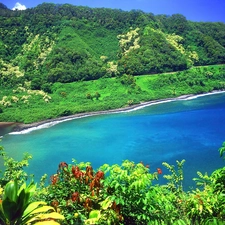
125	194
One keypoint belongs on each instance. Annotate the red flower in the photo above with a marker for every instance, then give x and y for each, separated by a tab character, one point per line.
76	197
97	191
99	175
88	204
147	166
54	178
89	171
86	179
78	174
159	171
55	204
63	170
75	171
61	166
92	185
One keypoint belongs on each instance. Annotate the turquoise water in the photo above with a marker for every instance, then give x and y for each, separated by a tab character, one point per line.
185	129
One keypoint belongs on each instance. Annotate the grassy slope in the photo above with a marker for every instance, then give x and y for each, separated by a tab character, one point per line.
71	98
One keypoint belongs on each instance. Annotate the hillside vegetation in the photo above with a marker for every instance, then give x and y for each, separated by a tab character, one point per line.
78	59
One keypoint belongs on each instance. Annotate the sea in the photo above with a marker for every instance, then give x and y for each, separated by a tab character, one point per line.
192	129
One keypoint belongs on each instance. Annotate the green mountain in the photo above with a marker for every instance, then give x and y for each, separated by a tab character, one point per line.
65	43
50	44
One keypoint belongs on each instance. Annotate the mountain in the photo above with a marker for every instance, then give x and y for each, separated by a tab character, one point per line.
65	43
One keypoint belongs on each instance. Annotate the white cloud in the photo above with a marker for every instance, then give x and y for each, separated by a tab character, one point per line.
19	6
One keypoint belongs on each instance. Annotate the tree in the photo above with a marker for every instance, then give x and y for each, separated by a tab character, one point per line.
97	95
36	84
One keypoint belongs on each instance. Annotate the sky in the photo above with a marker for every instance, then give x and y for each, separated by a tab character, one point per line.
194	10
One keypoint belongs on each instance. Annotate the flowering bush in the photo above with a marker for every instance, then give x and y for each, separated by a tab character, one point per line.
126	194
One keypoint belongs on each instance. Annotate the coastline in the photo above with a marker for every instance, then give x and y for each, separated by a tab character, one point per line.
19	128
6	127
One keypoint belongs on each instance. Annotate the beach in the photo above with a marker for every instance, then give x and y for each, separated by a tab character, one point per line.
6	127
13	127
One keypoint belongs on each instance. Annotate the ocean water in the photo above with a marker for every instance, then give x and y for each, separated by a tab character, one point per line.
191	129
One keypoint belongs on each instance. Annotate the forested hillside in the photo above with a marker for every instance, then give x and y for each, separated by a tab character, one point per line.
67	43
64	43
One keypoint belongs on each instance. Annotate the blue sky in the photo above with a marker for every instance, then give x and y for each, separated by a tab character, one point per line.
195	10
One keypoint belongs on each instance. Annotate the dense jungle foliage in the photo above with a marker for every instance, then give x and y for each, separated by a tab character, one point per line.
47	52
118	194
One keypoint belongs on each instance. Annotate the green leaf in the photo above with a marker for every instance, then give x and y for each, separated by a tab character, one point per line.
51	222
23	186
2	216
32	207
22	201
144	216
10	191
106	203
145	201
31	188
9	209
91	221
222	149
42	209
52	215
180	222
94	214
117	185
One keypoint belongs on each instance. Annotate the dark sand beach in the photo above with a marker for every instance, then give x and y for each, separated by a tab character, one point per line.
7	127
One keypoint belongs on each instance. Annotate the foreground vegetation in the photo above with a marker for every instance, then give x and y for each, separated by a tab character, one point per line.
117	194
21	104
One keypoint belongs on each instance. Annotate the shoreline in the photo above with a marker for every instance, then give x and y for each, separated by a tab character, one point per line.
6	127
20	128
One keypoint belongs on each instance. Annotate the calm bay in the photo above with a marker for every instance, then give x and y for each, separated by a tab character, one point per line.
192	129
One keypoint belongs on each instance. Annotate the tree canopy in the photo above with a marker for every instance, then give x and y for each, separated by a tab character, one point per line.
66	43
